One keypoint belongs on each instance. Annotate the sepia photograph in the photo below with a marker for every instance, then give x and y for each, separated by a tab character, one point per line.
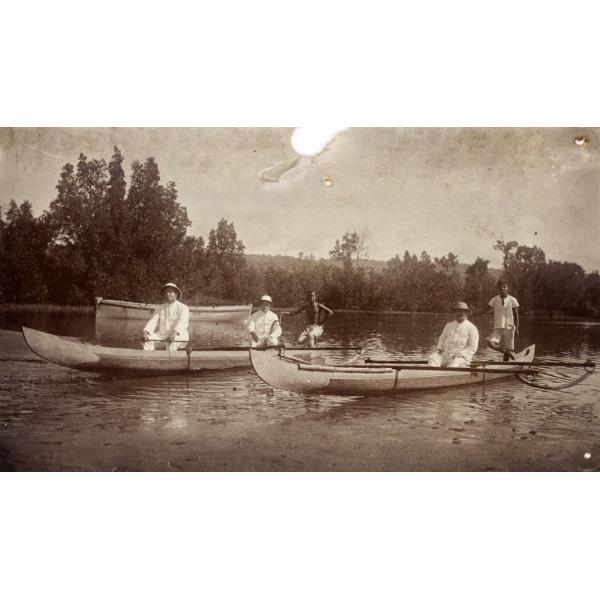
297	299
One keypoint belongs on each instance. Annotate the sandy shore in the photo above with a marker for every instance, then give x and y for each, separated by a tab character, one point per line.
52	420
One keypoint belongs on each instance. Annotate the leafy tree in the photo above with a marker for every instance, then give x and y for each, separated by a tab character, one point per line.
23	243
479	284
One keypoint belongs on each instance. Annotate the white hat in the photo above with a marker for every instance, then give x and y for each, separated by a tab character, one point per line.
266	298
461	306
172	285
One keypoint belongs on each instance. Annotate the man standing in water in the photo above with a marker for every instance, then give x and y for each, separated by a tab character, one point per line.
316	313
506	321
458	342
264	325
169	323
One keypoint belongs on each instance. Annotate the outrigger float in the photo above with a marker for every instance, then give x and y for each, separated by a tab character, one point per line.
90	357
374	377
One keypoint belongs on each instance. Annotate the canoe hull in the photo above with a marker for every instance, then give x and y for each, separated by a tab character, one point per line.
89	357
118	309
361	380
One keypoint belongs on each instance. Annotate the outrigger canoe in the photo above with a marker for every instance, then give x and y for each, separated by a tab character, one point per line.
90	357
120	309
368	377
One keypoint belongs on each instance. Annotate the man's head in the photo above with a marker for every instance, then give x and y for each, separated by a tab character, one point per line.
311	296
265	303
503	287
172	292
461	310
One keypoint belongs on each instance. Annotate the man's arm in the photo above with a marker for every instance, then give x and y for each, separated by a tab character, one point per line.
293	313
472	344
275	329
328	310
516	318
252	327
181	324
442	339
150	327
488	309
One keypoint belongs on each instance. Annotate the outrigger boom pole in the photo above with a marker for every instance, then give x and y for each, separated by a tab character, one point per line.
485	363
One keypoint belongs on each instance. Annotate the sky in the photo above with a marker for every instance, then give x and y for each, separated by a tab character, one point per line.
439	190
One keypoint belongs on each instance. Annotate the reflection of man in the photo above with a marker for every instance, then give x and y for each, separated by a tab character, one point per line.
316	313
264	325
169	323
458	342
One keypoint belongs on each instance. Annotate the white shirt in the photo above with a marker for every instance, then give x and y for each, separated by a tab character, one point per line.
169	317
459	339
503	312
264	324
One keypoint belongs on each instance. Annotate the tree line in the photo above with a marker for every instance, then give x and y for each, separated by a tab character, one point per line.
102	236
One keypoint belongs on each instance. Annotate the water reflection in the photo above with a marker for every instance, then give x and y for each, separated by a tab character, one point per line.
91	402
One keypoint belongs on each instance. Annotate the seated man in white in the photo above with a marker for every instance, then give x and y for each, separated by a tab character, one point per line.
458	342
168	326
263	325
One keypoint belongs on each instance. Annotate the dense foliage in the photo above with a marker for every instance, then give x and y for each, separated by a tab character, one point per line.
102	237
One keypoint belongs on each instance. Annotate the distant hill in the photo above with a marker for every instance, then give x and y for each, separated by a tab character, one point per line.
262	261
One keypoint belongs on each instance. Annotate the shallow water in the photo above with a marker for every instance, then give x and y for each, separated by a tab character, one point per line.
46	400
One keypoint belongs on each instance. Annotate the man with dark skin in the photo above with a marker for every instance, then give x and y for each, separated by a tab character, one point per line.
316	314
506	321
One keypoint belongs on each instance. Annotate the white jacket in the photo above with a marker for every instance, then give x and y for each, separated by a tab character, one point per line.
460	339
265	325
169	317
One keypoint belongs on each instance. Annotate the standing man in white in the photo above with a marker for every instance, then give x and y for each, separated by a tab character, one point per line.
263	325
169	323
506	321
458	342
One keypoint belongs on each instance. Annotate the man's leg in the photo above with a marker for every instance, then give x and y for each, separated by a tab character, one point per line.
434	359
315	333
457	362
508	341
495	341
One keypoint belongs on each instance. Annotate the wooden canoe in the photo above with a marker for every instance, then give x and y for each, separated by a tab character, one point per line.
119	309
90	357
361	379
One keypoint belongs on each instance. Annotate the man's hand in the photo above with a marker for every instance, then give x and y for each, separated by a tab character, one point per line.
516	331
264	342
254	336
172	335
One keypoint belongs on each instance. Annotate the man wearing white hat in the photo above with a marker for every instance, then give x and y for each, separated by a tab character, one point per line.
263	325
169	323
458	342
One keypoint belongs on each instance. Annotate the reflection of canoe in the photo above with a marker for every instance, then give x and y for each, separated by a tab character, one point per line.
362	379
89	357
119	309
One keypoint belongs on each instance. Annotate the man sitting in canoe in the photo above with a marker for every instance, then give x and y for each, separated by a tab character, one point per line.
316	313
458	342
264	325
169	323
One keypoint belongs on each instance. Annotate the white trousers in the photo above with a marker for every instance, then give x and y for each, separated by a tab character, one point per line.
265	341
446	360
157	344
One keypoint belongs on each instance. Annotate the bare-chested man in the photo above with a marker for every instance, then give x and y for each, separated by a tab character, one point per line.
316	314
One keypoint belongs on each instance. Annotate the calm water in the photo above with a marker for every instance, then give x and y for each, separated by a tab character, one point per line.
163	404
